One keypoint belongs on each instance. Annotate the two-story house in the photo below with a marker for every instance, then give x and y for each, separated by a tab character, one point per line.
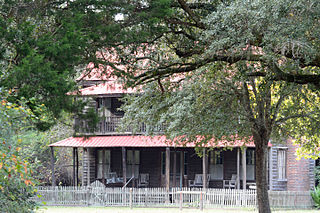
123	159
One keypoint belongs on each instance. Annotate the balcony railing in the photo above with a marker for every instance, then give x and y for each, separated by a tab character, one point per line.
109	125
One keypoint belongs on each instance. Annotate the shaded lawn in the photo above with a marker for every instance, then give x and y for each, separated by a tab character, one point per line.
155	210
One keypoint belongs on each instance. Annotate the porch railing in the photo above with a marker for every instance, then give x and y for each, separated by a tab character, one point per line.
160	197
109	125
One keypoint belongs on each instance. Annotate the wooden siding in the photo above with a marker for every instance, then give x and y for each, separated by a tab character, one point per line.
92	162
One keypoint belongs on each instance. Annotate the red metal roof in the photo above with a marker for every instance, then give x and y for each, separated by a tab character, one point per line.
109	87
134	141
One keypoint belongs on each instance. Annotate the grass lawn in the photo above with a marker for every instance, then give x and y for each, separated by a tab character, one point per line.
153	210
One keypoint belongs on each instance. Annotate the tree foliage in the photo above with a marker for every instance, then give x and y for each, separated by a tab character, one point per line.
35	149
16	181
43	41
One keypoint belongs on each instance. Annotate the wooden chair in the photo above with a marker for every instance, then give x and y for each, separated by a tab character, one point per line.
230	183
112	176
143	180
198	181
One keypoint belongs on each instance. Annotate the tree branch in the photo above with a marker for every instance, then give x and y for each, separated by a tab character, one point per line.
188	67
194	17
281	120
279	75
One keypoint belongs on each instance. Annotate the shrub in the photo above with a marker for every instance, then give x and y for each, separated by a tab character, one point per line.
316	197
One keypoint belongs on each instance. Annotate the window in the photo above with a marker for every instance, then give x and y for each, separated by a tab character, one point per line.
115	105
103	162
99	103
133	163
250	161
282	164
216	165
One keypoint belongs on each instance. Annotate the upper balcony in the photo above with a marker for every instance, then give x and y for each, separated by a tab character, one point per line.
109	125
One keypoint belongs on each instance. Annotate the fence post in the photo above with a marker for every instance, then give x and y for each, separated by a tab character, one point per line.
88	196
181	200
130	198
147	198
201	201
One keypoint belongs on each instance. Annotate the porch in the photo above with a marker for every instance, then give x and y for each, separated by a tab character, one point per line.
133	161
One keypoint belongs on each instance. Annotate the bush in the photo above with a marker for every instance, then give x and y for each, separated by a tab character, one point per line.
316	197
317	174
16	182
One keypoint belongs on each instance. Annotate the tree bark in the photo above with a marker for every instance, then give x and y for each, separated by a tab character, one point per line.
261	144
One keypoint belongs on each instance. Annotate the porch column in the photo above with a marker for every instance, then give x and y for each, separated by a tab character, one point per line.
174	169
270	169
88	169
167	168
238	168
124	166
133	167
52	167
244	169
204	168
181	169
103	167
77	166
74	166
83	183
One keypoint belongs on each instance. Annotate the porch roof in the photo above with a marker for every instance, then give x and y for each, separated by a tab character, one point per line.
136	141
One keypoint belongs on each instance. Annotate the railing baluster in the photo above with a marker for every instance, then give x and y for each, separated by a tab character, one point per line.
109	124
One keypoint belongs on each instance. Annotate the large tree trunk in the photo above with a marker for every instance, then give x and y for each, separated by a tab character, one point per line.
261	144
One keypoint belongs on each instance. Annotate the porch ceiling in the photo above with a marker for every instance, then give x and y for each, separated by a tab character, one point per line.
134	141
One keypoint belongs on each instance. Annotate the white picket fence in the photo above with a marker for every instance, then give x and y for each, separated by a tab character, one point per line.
160	197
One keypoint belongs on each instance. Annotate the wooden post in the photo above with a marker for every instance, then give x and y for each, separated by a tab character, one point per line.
88	195
244	169
77	166
201	201
133	168
270	169
52	167
130	198
168	174
88	169
181	169
103	166
204	169
124	166
238	168
174	169
74	166
83	182
181	200
167	168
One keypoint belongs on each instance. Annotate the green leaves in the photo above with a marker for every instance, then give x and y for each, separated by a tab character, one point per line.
16	182
316	197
